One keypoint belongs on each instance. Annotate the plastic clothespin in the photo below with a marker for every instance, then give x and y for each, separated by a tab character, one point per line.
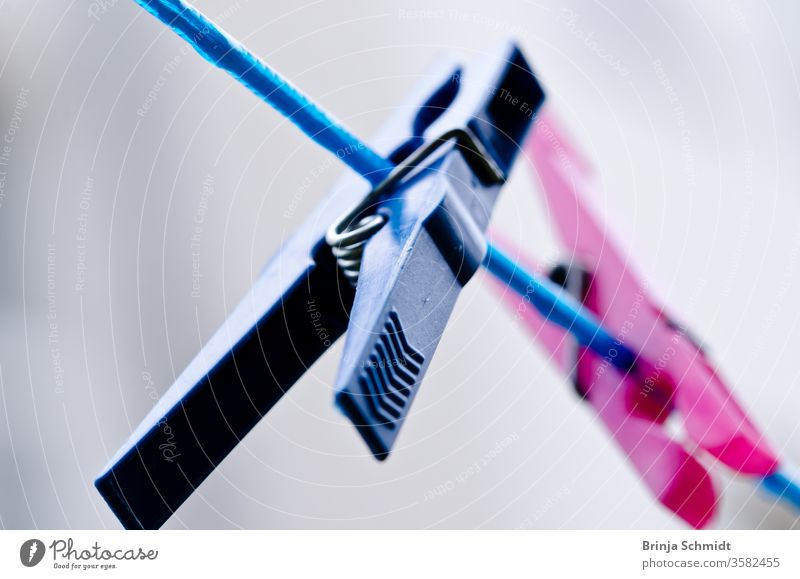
409	245
672	375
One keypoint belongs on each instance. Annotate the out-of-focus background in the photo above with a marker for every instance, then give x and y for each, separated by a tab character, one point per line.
119	139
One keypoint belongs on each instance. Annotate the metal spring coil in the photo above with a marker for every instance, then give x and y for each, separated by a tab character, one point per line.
348	247
349	235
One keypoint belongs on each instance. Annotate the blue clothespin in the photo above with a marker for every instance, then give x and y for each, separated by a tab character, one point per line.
391	267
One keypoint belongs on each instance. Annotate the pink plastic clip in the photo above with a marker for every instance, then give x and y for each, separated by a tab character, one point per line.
672	376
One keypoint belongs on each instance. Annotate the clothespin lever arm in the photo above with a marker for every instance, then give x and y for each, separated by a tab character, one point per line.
430	240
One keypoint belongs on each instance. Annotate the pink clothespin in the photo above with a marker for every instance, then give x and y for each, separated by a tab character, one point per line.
673	374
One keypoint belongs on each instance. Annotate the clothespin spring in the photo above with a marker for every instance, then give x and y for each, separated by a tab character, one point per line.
349	234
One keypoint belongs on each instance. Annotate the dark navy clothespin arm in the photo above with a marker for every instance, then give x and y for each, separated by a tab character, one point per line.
263	348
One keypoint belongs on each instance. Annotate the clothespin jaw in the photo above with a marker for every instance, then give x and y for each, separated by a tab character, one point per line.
413	268
301	302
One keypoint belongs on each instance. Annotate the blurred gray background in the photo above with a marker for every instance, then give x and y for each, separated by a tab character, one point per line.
120	137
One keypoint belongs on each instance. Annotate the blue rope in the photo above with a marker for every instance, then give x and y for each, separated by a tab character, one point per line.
221	50
783	487
558	307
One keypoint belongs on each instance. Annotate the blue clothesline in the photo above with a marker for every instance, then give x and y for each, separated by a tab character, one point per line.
216	46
